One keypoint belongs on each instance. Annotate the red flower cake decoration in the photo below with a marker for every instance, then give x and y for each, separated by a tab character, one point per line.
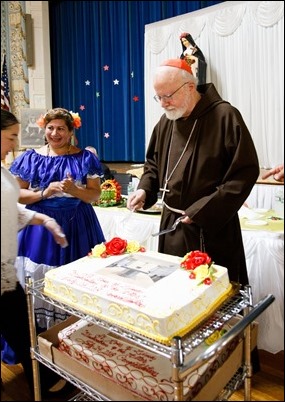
200	266
116	246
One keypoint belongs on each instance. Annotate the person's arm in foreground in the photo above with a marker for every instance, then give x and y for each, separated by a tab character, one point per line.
277	172
41	219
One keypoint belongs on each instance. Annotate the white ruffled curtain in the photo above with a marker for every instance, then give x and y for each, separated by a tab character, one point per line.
243	43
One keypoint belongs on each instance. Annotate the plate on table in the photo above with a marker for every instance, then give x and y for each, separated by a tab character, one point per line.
260	210
148	211
155	210
256	222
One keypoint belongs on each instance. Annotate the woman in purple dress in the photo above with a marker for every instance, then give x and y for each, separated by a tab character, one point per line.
60	180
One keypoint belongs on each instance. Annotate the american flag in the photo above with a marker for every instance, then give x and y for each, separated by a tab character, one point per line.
5	93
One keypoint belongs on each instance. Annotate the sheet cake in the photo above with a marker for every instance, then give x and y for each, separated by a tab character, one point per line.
148	293
144	373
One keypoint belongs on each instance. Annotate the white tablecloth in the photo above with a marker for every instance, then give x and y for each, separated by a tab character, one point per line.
264	196
265	265
264	252
120	222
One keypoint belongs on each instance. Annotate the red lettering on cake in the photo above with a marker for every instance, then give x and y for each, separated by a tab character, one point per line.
143	367
123	297
141	356
106	288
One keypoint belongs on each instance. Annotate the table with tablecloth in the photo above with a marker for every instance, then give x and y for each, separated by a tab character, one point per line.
264	250
266	195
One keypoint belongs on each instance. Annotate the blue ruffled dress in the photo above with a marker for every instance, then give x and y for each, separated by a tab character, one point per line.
38	252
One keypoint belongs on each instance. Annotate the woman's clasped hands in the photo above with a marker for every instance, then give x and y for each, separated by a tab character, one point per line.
67	184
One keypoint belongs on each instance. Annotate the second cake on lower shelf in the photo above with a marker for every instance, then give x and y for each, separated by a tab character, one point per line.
124	371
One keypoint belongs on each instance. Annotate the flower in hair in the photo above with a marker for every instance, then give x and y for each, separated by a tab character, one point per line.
183	35
41	121
76	119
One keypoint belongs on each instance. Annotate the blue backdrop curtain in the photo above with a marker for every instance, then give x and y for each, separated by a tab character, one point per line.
97	64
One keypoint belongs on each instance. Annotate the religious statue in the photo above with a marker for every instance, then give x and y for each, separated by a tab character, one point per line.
194	57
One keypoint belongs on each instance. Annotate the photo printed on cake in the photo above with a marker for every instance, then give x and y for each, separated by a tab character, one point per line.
132	265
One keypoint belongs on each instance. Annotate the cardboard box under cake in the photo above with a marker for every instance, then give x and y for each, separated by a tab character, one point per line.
204	384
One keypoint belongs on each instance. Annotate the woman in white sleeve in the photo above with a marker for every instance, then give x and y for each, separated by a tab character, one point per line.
14	312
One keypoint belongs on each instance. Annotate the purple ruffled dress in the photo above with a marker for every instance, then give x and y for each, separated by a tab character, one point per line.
38	252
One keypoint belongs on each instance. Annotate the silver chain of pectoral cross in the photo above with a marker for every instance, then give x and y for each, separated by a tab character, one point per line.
167	178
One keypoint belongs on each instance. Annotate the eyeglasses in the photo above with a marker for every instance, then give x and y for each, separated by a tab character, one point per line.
158	98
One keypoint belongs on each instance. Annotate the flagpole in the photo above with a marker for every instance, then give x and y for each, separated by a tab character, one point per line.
5	92
5	98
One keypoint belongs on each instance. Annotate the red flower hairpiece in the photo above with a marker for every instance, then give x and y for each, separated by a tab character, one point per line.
41	122
76	119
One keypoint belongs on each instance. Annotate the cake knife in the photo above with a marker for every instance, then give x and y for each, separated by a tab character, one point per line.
173	227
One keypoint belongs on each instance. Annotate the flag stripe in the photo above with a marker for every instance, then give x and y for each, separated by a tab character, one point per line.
5	93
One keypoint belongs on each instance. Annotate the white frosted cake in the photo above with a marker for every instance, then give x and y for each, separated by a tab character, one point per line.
143	373
148	293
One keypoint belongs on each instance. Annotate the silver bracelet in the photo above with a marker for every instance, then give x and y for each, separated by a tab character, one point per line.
42	194
48	220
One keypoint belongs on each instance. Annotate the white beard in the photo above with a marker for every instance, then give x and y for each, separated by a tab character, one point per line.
175	114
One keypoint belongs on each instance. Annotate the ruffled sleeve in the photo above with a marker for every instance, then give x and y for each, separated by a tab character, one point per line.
41	170
24	216
92	163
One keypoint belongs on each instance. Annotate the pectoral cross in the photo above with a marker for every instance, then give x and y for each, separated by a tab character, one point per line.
164	190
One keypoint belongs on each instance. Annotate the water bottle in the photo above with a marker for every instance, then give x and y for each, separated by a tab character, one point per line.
278	204
130	188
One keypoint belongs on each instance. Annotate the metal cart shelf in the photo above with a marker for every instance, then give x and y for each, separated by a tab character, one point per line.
178	352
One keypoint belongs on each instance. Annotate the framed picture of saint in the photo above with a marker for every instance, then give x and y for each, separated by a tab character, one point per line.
31	136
